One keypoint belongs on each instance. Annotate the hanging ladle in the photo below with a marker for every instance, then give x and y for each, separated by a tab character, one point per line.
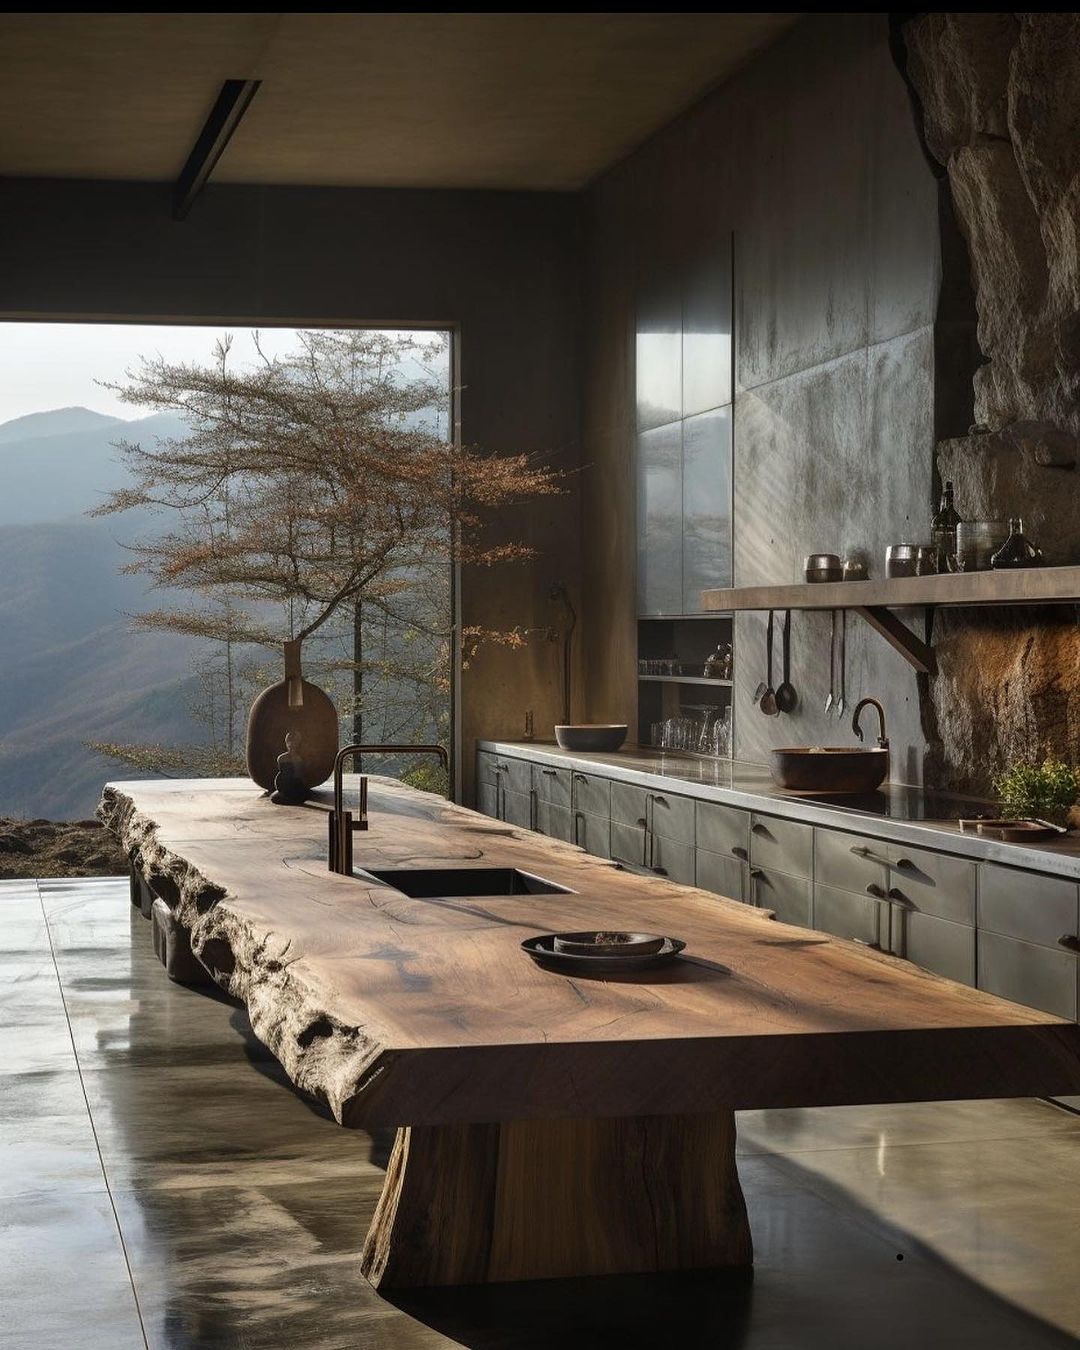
786	696
767	703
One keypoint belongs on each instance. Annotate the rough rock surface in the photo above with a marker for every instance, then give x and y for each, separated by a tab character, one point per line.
1002	113
1000	95
58	848
1008	686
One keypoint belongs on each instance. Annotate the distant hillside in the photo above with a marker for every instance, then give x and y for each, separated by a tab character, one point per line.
59	464
57	422
71	670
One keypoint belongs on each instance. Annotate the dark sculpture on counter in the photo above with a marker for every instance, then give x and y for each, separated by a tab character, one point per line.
289	786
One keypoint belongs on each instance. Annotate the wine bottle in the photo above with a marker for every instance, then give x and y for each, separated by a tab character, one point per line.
943	531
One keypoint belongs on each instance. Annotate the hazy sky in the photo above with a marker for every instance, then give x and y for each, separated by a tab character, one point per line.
55	365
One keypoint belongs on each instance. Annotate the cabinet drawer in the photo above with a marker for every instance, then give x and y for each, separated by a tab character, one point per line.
517	808
591	794
934	883
552	785
781	845
517	774
673	818
488	799
1026	905
1027	973
628	804
486	767
664	812
789	896
628	844
849	862
672	859
848	915
936	944
592	833
554	821
723	874
723	829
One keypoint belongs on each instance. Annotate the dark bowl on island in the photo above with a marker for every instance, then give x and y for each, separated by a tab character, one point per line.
592	736
829	768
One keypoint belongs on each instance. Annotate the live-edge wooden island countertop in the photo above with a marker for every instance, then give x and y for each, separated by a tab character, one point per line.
548	1125
397	1010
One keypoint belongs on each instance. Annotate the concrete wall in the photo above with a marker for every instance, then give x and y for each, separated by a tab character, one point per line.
811	156
503	267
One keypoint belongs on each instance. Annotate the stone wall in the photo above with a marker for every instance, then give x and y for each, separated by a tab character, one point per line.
1000	96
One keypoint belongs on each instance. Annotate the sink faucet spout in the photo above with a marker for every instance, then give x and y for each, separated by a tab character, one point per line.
883	740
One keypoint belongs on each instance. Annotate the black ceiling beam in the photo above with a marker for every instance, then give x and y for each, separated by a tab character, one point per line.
232	103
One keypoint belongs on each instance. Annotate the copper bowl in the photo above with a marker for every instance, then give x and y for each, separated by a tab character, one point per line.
829	768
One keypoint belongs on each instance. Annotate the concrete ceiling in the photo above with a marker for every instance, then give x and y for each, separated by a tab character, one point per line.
536	101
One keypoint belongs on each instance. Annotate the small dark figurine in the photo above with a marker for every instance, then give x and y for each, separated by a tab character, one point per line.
289	789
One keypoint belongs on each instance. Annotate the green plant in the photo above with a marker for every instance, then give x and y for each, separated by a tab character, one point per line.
1046	791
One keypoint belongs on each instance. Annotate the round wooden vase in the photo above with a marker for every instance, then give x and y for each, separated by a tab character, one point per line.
292	705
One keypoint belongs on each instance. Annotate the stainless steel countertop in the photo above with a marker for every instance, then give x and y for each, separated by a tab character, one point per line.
750	786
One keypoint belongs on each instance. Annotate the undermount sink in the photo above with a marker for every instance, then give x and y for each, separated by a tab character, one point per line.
445	883
830	768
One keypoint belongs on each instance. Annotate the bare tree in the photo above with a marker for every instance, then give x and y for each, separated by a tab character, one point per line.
318	497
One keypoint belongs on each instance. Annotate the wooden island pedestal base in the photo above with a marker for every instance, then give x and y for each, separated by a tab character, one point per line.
543	1199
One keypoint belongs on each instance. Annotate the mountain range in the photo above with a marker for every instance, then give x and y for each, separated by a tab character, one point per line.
72	670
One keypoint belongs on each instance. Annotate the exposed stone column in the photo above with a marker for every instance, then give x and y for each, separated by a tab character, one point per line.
1000	96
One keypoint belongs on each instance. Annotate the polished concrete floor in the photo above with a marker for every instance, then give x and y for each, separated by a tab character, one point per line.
162	1186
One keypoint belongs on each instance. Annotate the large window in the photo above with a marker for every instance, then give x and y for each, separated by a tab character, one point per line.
83	662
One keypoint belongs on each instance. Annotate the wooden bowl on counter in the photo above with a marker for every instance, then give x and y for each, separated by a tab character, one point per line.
829	768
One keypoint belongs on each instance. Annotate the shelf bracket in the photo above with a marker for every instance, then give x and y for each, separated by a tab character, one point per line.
914	651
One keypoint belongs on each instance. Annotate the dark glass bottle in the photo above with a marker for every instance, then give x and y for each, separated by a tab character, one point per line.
943	531
1017	551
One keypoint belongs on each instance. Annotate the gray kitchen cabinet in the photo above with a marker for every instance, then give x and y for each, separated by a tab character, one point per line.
789	897
629	845
723	874
517	808
489	799
933	883
939	945
849	915
517	773
1026	905
782	845
1037	976
706	484
629	804
554	821
849	862
551	786
723	829
591	793
672	817
592	833
672	859
660	505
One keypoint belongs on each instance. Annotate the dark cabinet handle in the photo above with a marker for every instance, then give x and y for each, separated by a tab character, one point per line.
759	828
876	891
906	863
655	797
1070	942
898	897
740	853
580	778
756	872
550	772
870	856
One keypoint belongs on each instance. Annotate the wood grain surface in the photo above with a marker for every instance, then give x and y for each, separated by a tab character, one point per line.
425	1012
471	1204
